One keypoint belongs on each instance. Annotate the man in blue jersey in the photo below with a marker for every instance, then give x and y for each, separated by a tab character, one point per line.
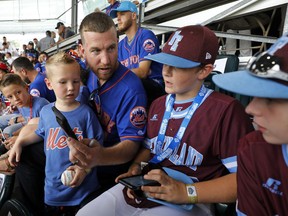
137	44
24	68
119	98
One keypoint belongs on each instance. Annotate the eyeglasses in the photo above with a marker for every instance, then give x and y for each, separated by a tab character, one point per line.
266	64
95	102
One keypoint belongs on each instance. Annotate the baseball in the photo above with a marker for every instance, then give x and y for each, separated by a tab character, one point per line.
67	176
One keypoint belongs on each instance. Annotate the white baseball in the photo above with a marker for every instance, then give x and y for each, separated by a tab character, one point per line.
67	176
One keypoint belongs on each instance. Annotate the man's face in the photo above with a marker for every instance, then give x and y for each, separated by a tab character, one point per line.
101	52
125	20
60	29
22	73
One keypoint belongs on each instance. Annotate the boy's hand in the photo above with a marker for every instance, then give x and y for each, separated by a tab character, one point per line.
80	175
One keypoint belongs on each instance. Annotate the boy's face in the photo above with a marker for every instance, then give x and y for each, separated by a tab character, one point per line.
17	95
64	79
271	118
180	81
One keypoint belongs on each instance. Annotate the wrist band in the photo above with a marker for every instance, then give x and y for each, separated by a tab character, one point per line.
191	193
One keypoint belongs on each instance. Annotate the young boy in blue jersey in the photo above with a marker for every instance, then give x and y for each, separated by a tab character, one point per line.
16	91
63	76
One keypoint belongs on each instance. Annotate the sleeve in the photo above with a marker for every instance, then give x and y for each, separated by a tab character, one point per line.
234	125
40	131
93	128
134	109
149	45
249	201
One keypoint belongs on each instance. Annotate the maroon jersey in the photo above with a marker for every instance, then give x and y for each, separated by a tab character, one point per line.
262	177
208	147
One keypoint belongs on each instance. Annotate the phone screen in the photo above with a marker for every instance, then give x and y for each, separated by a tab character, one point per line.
135	182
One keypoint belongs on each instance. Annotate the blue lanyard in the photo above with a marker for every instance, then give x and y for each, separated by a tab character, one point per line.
161	155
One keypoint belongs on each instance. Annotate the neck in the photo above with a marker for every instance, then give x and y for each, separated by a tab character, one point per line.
32	75
66	107
189	94
131	32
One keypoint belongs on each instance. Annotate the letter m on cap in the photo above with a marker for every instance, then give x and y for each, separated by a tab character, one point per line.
175	40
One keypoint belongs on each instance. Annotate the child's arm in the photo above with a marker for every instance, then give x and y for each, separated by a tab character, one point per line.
26	137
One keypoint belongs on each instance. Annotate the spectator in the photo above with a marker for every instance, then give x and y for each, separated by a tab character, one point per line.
177	138
37	44
8	58
36	64
43	57
30	49
24	68
15	90
63	32
46	42
59	198
137	44
262	181
112	5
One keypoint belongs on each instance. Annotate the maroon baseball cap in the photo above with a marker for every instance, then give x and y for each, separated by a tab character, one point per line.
188	47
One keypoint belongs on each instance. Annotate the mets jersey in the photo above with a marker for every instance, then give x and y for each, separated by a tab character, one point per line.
208	147
144	43
85	125
262	177
38	88
121	108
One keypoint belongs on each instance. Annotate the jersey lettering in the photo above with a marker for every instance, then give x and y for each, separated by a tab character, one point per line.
53	141
175	40
188	156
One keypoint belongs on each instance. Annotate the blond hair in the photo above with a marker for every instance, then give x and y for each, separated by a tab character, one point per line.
59	58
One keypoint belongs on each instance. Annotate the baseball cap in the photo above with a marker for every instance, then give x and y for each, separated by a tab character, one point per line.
3	66
124	6
188	47
266	74
58	25
31	43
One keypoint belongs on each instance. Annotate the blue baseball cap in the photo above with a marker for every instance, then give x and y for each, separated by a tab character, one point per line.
188	47
266	75
124	6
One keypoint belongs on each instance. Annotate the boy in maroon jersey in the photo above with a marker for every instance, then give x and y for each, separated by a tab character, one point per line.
191	130
263	154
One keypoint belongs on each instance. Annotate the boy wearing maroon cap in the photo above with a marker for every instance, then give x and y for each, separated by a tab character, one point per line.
262	186
192	133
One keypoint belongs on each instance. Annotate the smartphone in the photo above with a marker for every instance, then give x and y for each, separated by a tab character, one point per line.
135	182
62	121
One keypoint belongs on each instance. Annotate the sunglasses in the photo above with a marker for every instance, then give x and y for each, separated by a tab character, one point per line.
266	64
95	102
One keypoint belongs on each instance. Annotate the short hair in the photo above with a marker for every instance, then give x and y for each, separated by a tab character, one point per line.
96	22
48	33
22	63
11	79
59	58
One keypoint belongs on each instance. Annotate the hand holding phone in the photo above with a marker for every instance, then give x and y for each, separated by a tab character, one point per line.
62	121
135	182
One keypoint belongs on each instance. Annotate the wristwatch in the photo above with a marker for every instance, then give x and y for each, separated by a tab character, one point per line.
191	192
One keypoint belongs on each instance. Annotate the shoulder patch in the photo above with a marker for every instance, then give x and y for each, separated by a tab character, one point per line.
138	116
149	45
35	92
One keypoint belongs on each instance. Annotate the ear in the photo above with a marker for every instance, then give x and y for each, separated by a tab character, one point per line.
82	51
48	83
205	71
